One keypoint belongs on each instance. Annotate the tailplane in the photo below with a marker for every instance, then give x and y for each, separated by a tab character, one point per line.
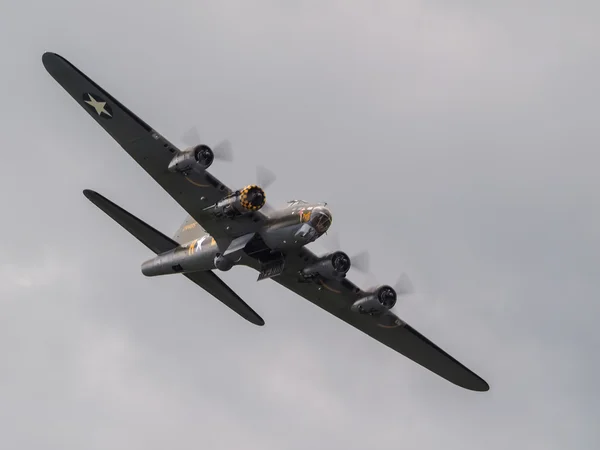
159	243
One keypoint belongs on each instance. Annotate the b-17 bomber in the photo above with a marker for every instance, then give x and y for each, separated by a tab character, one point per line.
226	228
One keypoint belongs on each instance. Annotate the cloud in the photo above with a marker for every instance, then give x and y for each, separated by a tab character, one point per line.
455	141
42	271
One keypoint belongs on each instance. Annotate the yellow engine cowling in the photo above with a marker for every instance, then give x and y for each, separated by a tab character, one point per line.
252	197
247	200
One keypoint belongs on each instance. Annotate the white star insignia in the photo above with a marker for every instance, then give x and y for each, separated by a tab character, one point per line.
98	106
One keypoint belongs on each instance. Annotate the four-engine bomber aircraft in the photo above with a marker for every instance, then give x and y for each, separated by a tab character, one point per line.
227	228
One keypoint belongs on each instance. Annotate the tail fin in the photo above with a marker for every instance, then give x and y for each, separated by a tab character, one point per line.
188	231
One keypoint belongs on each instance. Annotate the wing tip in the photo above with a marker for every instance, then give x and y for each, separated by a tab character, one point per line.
89	193
482	386
476	384
94	197
49	59
259	321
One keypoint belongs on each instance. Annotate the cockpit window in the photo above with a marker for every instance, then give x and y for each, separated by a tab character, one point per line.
321	220
296	203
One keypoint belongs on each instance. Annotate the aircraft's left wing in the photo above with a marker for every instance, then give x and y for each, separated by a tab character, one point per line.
152	151
337	297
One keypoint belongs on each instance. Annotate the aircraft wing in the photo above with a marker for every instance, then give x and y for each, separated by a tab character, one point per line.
337	297
159	243
151	151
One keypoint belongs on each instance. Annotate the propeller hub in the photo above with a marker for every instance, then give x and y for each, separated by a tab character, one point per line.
340	262
204	155
387	296
252	197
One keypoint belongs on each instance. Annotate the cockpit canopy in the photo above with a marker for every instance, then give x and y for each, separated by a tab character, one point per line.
316	215
293	203
302	203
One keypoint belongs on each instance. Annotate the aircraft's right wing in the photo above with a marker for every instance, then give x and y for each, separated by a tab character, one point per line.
159	243
337	297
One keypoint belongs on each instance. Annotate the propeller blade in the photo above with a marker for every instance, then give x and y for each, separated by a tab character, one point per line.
264	177
361	261
371	281
223	151
267	209
191	137
403	285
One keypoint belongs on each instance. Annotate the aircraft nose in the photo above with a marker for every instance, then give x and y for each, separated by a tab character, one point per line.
321	219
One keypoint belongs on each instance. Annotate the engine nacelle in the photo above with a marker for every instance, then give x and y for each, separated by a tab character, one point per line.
197	158
249	199
333	266
377	302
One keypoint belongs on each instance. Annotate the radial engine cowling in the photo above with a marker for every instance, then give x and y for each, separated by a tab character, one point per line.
377	302
333	266
197	158
249	199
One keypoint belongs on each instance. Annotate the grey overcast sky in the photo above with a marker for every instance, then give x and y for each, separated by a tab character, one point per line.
469	130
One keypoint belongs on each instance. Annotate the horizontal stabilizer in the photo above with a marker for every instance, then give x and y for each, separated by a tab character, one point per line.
150	237
159	243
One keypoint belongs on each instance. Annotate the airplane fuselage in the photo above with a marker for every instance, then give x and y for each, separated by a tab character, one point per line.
292	227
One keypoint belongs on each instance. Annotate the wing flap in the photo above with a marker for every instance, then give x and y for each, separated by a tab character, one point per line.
159	243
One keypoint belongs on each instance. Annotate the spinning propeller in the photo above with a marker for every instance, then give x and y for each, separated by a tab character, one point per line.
360	261
403	285
221	151
264	177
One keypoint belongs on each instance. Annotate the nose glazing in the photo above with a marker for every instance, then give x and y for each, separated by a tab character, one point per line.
321	219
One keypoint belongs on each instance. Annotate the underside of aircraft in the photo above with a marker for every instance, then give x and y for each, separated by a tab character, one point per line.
227	228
